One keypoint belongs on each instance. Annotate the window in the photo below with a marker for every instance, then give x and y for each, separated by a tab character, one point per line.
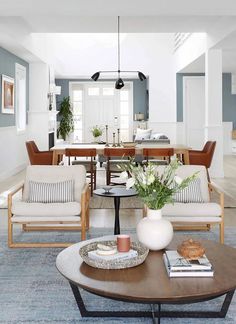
20	97
125	113
77	106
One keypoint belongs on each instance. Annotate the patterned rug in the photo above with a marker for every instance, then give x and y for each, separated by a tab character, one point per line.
32	290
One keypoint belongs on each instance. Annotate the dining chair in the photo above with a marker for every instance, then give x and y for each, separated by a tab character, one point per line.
204	156
88	159
36	156
114	157
160	156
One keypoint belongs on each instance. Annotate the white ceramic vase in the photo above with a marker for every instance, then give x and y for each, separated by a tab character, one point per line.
154	231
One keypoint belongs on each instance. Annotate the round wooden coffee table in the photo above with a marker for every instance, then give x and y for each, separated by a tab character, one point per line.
148	283
116	193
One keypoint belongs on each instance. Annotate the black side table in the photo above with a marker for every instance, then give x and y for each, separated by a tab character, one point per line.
116	193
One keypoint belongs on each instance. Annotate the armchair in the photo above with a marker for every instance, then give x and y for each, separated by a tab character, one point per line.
34	214
195	215
37	157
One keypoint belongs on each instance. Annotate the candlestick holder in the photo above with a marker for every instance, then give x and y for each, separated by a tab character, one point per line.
114	140
107	144
118	137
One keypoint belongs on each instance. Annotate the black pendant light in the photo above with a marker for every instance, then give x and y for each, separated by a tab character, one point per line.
119	82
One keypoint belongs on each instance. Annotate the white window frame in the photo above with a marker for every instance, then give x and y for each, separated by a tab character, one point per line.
20	74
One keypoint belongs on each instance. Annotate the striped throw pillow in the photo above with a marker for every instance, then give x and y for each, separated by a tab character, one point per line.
190	194
58	192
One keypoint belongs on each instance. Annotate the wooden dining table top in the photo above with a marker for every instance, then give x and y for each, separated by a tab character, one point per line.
100	147
59	149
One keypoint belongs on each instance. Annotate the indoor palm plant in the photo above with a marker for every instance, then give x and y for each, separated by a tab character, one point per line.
156	187
66	119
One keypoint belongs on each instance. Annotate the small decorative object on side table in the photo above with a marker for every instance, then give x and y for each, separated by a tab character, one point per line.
155	190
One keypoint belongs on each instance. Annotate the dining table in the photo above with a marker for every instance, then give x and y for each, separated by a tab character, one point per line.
59	149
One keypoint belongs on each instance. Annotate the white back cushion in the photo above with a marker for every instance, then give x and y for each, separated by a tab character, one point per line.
142	134
53	174
187	170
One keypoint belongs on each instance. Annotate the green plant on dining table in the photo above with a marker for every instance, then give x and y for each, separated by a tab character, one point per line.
156	188
97	131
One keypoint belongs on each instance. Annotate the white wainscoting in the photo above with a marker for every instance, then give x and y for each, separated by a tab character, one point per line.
14	156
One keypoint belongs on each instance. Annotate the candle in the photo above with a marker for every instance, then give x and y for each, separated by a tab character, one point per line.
123	243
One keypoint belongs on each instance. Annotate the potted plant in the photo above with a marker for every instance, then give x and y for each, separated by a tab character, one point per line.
97	132
156	188
66	119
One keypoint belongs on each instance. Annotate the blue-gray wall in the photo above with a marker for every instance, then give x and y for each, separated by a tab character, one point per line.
228	99
7	67
139	93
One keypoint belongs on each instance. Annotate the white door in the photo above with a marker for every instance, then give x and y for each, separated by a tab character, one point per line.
101	104
194	110
100	108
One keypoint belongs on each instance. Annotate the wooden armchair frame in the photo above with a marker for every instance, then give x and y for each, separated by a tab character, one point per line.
83	223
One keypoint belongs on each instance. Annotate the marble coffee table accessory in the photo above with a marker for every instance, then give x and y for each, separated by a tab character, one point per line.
138	251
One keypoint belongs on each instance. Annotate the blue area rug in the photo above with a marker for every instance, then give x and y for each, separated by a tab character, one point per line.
32	290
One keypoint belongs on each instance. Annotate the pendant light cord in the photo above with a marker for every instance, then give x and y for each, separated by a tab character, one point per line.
119	45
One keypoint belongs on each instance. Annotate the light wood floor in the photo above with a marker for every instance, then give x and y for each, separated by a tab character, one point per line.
130	217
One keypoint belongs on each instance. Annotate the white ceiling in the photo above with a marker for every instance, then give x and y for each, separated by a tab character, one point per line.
20	18
114	7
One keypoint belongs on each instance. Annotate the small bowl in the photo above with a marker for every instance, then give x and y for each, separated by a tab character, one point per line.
107	189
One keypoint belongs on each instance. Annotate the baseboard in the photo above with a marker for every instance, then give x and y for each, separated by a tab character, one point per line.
10	173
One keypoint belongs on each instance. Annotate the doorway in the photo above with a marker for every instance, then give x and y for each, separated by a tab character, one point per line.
194	110
101	104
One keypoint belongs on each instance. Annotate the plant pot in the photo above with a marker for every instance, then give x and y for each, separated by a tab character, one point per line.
97	139
154	231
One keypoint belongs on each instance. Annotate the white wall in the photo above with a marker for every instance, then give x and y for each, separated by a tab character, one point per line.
14	156
191	49
150	53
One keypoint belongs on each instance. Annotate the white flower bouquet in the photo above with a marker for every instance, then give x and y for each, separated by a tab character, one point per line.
155	189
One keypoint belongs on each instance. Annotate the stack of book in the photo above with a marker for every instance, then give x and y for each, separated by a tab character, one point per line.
177	266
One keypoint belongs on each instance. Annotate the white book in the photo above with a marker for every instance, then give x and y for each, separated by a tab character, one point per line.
177	262
186	273
117	256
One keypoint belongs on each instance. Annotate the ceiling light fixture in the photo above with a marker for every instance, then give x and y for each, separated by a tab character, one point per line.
119	82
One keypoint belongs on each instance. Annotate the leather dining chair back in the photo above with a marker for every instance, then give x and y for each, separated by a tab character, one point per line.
204	156
36	156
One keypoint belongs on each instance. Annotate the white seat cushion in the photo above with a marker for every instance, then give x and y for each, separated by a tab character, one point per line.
192	209
22	208
40	219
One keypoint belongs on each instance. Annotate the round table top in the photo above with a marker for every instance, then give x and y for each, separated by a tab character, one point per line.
116	192
149	281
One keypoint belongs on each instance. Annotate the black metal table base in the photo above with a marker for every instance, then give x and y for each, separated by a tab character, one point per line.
155	314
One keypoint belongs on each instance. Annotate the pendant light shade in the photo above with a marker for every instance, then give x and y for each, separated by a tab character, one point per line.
95	76
119	82
141	76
